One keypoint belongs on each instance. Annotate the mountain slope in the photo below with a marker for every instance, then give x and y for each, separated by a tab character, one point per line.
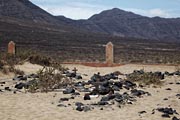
127	24
30	27
122	23
25	11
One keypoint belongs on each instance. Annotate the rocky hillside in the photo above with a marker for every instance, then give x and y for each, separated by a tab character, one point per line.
25	11
127	24
114	22
30	27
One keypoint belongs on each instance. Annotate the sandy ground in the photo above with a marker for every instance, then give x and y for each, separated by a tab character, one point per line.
43	106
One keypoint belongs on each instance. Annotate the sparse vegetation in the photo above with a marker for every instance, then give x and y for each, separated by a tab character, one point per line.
18	72
8	62
73	46
40	59
49	79
177	68
146	78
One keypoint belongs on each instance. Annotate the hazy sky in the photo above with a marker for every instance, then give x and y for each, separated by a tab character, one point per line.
83	9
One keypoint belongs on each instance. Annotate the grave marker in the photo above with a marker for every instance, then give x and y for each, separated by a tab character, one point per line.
12	48
110	54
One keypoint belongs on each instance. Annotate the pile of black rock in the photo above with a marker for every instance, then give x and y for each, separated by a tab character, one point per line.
24	81
168	112
158	75
173	73
107	88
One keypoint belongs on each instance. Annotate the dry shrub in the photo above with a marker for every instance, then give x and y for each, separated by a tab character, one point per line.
49	79
22	54
177	68
145	78
59	67
18	72
5	70
40	59
1	64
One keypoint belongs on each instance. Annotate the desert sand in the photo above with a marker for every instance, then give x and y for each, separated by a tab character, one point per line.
43	106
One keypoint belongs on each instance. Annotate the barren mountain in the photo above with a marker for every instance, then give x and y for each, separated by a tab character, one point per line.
30	27
25	11
127	24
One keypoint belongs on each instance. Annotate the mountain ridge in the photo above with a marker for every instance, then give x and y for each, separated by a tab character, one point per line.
71	40
121	23
113	22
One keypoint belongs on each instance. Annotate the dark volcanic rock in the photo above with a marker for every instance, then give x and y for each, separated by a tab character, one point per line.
169	111
64	99
79	84
103	103
96	77
118	84
20	77
87	97
142	112
105	98
2	82
129	84
69	91
79	104
171	74
165	99
138	93
78	77
7	88
175	118
178	83
80	108
119	98
61	105
108	98
110	76
76	93
103	90
71	75
159	75
168	89
178	95
115	88
21	85
165	115
177	73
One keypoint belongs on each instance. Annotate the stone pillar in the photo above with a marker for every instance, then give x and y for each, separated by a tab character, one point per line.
12	48
109	54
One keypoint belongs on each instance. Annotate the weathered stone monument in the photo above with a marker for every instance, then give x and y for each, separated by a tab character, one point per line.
12	48
109	54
